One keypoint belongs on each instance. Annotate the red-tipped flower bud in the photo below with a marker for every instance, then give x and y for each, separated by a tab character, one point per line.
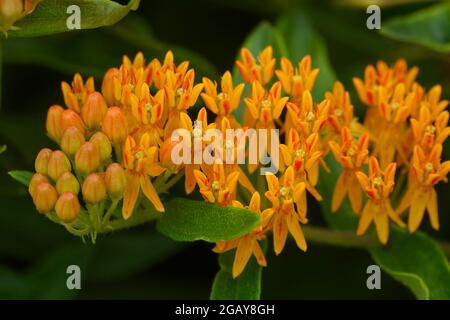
58	164
93	110
93	190
108	88
67	207
67	182
53	122
36	179
71	140
115	125
115	181
101	141
87	158
44	197
41	162
70	118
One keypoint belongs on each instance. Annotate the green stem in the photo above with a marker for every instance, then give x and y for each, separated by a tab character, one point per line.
338	238
138	218
170	183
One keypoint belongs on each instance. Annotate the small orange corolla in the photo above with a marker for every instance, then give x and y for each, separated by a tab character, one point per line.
377	186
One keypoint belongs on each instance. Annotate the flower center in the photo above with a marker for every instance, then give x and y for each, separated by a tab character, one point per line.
300	153
180	91
310	116
297	77
215	185
429	166
266	103
138	155
284	191
430	129
378	181
395	105
338	112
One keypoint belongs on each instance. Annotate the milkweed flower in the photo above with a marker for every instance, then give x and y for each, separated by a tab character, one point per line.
303	157
179	98
216	186
252	71
141	162
223	104
75	95
248	245
351	154
265	107
377	186
427	170
289	209
296	81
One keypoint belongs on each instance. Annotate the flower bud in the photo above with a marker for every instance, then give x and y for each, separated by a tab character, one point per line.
67	207
67	182
115	181
44	197
115	125
108	89
93	190
41	162
10	12
165	154
93	110
70	118
58	164
87	158
101	141
71	140
53	122
36	179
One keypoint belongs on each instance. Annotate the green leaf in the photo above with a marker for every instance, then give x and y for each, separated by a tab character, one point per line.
301	39
2	149
413	259
416	261
23	177
247	286
262	36
51	16
189	220
428	27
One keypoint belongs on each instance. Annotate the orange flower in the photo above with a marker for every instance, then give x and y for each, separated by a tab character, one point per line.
393	112
141	163
427	132
340	112
298	80
252	71
304	158
223	104
351	154
289	209
157	72
216	186
148	111
180	96
427	170
377	186
383	76
75	95
265	107
248	244
306	118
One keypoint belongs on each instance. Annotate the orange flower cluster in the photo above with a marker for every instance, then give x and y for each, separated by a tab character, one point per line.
116	144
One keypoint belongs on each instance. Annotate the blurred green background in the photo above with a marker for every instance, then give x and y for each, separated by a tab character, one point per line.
140	263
